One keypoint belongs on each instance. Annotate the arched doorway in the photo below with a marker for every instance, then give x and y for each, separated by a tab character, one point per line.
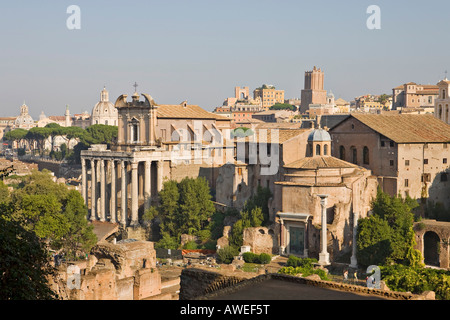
431	248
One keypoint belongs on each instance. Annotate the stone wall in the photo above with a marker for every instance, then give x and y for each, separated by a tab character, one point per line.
125	271
197	282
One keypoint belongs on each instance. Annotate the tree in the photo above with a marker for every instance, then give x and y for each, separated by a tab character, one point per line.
79	233
283	106
38	135
24	263
16	135
185	207
387	236
53	212
100	134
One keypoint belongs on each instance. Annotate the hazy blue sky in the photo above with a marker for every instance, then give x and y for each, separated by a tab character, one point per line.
199	50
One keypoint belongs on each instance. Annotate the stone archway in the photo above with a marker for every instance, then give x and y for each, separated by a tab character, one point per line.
431	248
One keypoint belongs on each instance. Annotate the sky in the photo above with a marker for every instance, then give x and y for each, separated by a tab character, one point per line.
199	50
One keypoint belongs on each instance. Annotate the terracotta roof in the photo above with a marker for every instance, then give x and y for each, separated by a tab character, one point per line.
320	162
186	112
57	118
407	128
283	135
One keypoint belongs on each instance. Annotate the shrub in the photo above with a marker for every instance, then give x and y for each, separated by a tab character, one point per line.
264	258
294	261
304	271
227	254
250	257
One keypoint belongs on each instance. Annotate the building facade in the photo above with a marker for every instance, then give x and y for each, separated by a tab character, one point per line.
442	104
413	95
268	95
408	153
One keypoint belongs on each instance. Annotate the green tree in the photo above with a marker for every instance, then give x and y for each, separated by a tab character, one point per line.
185	207
16	135
387	236
38	135
53	212
79	234
24	263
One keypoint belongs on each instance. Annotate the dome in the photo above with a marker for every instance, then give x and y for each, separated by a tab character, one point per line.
104	111
319	135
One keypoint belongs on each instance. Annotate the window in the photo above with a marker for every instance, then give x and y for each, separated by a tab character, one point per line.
365	155
382	143
425	161
318	150
406	183
325	150
391	143
444	177
406	163
444	160
342	153
391	163
354	155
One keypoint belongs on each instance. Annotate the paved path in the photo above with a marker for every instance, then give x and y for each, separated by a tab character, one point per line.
273	289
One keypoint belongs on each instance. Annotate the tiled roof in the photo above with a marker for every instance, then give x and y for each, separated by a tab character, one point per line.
186	112
320	162
271	137
407	128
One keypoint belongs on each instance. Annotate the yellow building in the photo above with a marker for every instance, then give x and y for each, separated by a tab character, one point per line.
268	95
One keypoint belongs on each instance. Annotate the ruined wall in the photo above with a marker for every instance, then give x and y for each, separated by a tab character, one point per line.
260	239
196	282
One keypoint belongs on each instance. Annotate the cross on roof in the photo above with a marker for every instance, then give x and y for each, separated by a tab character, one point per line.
135	85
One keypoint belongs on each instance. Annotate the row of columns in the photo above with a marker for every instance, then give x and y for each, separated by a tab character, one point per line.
106	173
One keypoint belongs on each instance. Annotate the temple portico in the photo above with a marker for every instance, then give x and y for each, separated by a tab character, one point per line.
117	184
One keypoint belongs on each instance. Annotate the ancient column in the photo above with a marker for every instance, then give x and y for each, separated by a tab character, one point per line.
159	172
124	201
102	212
147	184
83	181
93	193
113	206
353	260
134	194
324	256
282	241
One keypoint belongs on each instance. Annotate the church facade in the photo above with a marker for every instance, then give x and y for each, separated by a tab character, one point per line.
155	143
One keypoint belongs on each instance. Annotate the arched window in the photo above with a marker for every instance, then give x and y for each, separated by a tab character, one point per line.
134	130
325	150
366	155
446	113
318	150
443	94
342	153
